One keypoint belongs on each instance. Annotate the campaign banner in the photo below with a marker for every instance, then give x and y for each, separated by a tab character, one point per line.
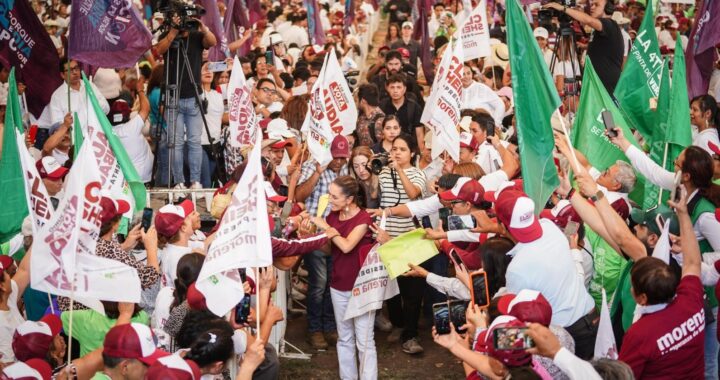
107	33
26	45
38	200
337	103
605	347
475	33
442	110
241	113
372	287
242	240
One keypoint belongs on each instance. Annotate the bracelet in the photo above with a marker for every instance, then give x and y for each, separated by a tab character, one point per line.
570	194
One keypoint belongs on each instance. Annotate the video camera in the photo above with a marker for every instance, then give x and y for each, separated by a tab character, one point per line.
378	162
188	13
545	16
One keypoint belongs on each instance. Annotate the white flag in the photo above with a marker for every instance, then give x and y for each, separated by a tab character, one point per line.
242	240
605	343
241	113
63	251
38	200
475	34
662	248
442	110
319	133
372	286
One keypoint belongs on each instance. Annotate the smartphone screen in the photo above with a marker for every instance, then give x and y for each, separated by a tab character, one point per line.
269	57
571	228
480	289
242	310
456	257
455	222
609	123
441	318
490	130
512	338
147	218
458	308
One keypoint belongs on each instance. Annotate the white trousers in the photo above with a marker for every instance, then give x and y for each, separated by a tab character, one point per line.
356	332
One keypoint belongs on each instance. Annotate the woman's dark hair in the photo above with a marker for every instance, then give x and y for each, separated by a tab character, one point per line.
156	77
495	261
188	270
411	143
708	103
700	166
388	118
112	311
294	111
107	226
448	181
652	277
351	188
211	346
197	322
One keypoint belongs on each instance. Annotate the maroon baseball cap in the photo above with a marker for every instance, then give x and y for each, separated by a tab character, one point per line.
405	53
485	343
49	168
516	211
529	306
340	148
173	367
32	339
6	262
112	207
466	189
491	196
170	218
561	214
33	369
467	140
119	112
132	341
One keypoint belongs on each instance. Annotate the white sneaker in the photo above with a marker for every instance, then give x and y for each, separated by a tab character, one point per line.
178	195
196	186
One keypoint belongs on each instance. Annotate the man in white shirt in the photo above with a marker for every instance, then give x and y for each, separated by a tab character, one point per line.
541	36
175	225
129	131
542	261
488	156
477	95
434	23
58	106
297	32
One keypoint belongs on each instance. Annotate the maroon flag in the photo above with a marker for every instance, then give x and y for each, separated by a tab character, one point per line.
701	53
236	16
213	22
421	30
107	33
255	11
25	45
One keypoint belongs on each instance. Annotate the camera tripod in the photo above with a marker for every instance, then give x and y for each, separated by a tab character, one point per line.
565	49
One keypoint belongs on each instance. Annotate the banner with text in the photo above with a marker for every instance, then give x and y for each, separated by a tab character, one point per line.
475	33
241	113
372	287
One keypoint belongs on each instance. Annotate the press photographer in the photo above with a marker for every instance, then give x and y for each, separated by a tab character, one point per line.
606	42
182	43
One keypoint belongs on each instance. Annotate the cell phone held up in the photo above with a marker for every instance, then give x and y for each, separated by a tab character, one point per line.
242	311
441	318
609	123
512	338
269	56
146	218
479	291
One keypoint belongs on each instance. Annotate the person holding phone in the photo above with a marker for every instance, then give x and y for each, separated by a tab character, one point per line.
351	221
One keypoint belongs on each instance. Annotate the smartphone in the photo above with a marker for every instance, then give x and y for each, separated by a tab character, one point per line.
609	123
458	308
480	293
32	133
242	311
270	56
215	67
512	338
675	192
441	318
571	228
147	218
490	130
456	258
444	213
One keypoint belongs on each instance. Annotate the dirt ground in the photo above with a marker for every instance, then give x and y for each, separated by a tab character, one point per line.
435	363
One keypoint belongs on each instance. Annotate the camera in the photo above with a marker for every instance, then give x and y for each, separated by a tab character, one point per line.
351	78
378	162
187	12
545	16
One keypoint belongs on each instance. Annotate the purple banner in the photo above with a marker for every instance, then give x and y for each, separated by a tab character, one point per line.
701	53
349	16
25	45
421	27
107	33
212	20
236	16
256	13
315	29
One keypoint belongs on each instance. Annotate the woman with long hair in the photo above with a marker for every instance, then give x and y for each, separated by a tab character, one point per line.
216	117
359	162
295	110
704	115
390	130
393	34
351	222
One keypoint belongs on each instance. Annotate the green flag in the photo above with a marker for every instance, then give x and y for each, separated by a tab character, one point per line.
656	142
77	135
535	101
137	187
588	134
639	82
12	183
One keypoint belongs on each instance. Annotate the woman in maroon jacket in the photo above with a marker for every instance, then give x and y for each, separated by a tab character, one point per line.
351	221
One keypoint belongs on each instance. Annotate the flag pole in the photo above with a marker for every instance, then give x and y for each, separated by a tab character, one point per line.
665	157
67	82
70	324
257	312
567	136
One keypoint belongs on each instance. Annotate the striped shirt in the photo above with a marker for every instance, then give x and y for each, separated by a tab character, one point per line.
393	194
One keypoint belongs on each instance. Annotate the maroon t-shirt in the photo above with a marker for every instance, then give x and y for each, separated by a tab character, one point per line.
669	344
347	265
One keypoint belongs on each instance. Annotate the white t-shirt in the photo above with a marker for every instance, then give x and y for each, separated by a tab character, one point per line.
489	158
214	115
158	318
478	95
169	257
136	146
9	321
708	135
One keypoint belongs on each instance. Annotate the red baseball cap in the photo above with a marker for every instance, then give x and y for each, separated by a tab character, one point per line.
529	306
340	148
48	167
516	211
112	207
170	218
280	144
132	341
173	367
33	369
467	140
466	189
271	194
32	339
405	53
561	214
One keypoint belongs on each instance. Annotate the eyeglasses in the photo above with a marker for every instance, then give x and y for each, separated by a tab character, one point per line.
269	90
75	69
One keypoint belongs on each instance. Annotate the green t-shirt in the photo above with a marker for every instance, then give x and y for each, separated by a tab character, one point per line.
90	327
100	375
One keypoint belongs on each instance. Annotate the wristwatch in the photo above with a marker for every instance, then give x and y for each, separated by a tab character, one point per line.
598	196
